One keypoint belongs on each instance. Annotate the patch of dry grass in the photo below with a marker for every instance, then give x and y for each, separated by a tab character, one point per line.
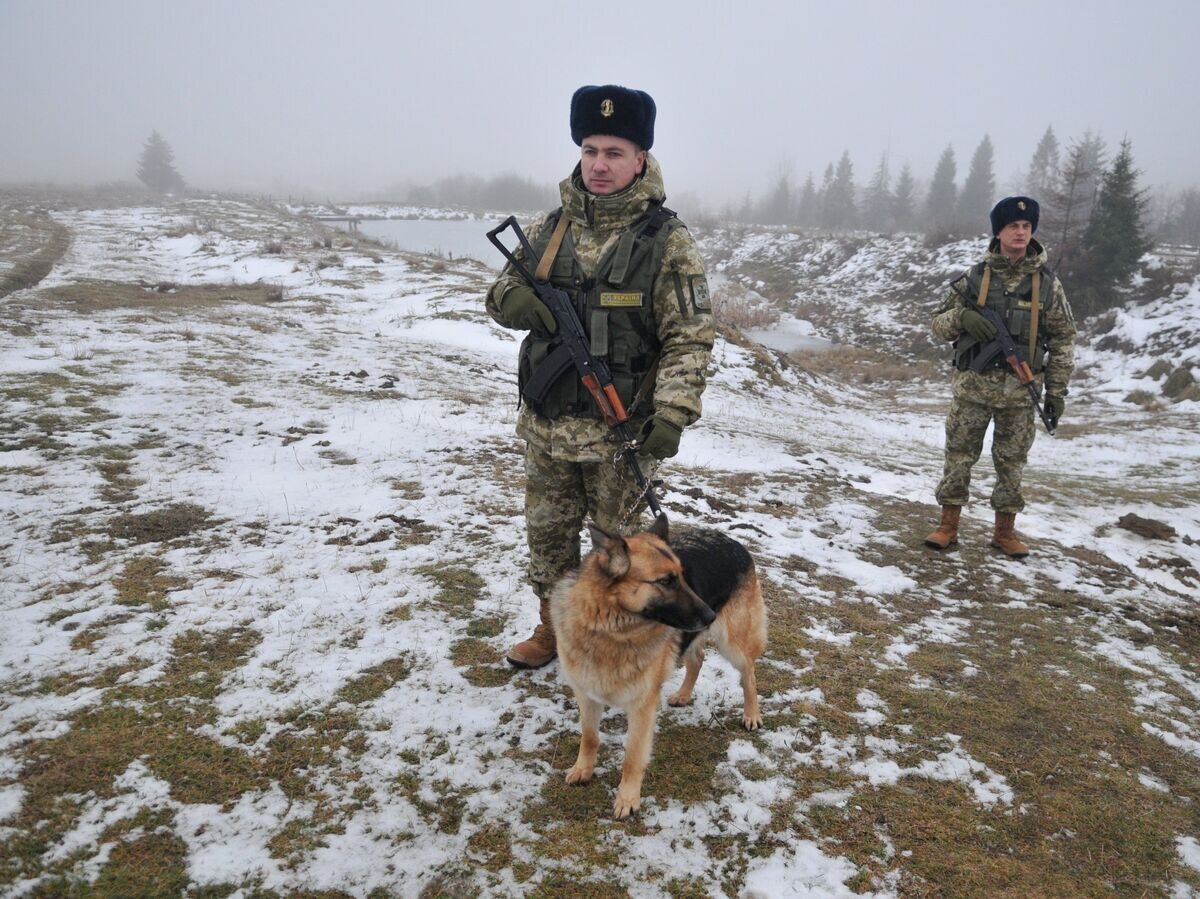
87	297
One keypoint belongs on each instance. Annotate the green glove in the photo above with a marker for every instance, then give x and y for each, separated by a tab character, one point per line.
522	309
1054	407
660	438
977	326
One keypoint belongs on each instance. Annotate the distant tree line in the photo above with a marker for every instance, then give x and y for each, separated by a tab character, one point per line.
1095	216
500	192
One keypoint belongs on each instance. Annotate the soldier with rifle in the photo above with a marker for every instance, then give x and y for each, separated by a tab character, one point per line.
1014	349
631	273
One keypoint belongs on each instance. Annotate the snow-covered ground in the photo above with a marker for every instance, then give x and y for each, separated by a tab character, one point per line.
349	450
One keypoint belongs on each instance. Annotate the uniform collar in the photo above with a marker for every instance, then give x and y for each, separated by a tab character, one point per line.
1035	257
612	211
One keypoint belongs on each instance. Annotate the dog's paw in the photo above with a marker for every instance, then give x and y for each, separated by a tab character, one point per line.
624	806
752	720
579	775
678	699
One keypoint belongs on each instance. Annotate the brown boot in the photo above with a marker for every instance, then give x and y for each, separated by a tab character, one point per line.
947	532
1005	537
539	650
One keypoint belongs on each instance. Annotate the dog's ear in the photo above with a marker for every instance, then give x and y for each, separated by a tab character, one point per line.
614	552
600	537
660	528
617	551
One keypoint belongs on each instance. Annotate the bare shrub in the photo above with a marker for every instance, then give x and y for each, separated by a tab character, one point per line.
861	365
1145	399
734	304
1159	370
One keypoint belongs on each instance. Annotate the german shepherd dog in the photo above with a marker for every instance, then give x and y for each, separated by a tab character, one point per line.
637	605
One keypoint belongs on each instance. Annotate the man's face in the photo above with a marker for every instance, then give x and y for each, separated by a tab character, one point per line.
1014	237
610	163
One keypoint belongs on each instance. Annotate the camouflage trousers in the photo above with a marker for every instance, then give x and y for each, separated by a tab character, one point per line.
559	494
980	400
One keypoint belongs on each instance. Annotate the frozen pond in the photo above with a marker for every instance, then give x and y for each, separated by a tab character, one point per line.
450	238
789	336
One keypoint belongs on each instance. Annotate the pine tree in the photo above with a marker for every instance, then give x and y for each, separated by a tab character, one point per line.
939	205
1043	168
1115	239
156	168
1183	220
839	199
1069	206
979	190
877	200
777	205
824	216
807	205
904	201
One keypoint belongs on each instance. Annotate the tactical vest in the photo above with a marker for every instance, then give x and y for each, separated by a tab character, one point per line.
1014	306
615	306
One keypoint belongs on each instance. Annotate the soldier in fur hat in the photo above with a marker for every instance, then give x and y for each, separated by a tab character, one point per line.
638	284
1013	280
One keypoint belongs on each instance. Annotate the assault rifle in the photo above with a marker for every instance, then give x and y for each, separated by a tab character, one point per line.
575	350
1004	345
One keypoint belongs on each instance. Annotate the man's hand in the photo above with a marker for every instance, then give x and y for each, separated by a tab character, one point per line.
522	308
977	326
660	438
1054	407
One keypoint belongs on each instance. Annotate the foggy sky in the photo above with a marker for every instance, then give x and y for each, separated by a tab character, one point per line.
348	98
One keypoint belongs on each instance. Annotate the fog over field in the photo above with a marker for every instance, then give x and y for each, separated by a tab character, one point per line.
365	97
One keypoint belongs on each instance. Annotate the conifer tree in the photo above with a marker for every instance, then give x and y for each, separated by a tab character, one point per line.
904	201
1070	201
806	206
877	200
839	199
1183	220
979	190
1043	168
939	205
777	205
1115	239
156	168
824	216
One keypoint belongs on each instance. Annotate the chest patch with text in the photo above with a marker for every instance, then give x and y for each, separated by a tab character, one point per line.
613	300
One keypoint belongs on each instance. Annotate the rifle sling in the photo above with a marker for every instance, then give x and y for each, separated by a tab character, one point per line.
556	239
1033	315
984	284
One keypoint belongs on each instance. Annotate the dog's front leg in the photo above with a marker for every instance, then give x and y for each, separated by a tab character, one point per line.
692	660
589	739
637	755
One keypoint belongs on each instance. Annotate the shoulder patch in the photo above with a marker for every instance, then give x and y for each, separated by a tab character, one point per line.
698	285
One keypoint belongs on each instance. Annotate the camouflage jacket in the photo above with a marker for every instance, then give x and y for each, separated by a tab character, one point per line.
685	332
1057	326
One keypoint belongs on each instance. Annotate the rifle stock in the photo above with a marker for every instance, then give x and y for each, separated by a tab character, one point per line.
593	372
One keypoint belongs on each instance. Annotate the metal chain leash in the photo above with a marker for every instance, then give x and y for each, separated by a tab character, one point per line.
641	494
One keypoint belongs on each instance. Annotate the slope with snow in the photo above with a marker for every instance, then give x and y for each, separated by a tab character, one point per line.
263	552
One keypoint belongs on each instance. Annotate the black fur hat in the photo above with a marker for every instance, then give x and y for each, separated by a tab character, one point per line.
615	110
1012	209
